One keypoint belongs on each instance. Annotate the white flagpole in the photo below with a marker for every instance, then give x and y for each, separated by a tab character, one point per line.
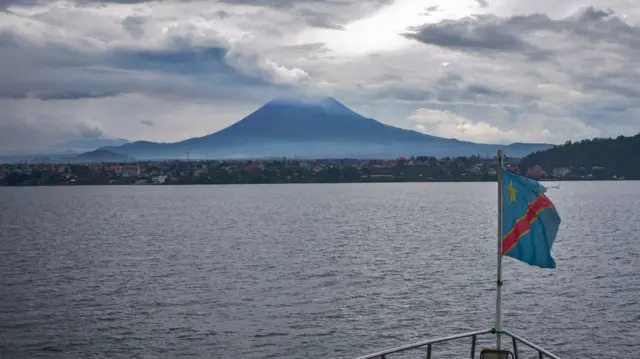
499	275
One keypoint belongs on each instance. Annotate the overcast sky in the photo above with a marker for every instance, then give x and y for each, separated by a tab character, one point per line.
492	71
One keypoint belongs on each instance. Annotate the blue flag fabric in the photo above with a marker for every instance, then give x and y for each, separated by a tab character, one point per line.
530	221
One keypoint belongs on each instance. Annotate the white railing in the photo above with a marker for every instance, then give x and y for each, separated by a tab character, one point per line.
384	354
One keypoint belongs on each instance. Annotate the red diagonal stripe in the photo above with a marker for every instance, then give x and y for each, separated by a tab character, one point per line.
523	224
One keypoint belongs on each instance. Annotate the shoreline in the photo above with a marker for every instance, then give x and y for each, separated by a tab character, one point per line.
288	183
412	170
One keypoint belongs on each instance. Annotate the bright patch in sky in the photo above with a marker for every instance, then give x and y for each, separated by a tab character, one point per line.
383	30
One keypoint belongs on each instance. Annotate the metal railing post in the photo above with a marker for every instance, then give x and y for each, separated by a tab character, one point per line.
516	340
542	353
473	347
423	344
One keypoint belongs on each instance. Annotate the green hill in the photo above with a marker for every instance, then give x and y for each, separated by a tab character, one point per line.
602	158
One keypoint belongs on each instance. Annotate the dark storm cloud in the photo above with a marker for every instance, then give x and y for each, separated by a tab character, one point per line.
4	4
320	19
55	71
277	4
450	79
332	14
489	33
622	83
470	35
403	93
483	90
74	94
452	87
592	53
90	131
179	60
430	10
134	26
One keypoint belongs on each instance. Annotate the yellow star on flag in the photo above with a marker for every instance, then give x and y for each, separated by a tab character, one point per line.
512	192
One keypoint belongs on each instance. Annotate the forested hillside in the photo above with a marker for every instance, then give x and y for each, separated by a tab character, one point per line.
609	157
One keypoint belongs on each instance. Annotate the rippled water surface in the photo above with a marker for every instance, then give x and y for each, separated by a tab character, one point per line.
305	271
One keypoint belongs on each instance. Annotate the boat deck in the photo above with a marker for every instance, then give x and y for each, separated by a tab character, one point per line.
515	340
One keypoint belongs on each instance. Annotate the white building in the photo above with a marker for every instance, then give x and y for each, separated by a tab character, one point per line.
561	172
159	179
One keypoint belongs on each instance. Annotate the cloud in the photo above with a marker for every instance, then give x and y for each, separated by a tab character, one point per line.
255	66
329	14
122	116
584	68
37	133
77	75
7	3
509	71
134	25
450	125
17	137
526	128
90	131
532	34
148	123
485	33
179	59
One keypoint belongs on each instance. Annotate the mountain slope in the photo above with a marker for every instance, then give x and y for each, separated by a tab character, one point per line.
102	155
90	144
313	128
326	120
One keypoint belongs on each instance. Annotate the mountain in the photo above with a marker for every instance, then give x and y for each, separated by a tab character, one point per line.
314	128
90	144
101	155
612	157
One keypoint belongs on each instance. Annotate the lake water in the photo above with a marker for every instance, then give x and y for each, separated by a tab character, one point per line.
305	271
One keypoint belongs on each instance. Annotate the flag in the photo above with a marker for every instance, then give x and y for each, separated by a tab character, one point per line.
529	221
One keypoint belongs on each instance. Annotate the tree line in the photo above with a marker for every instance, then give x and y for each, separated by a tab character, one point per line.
611	156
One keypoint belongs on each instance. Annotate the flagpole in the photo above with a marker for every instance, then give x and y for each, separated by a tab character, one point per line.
499	274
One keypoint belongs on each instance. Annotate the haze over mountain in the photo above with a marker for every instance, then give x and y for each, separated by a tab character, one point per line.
90	144
314	128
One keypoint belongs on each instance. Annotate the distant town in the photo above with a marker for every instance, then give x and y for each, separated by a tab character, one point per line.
414	169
